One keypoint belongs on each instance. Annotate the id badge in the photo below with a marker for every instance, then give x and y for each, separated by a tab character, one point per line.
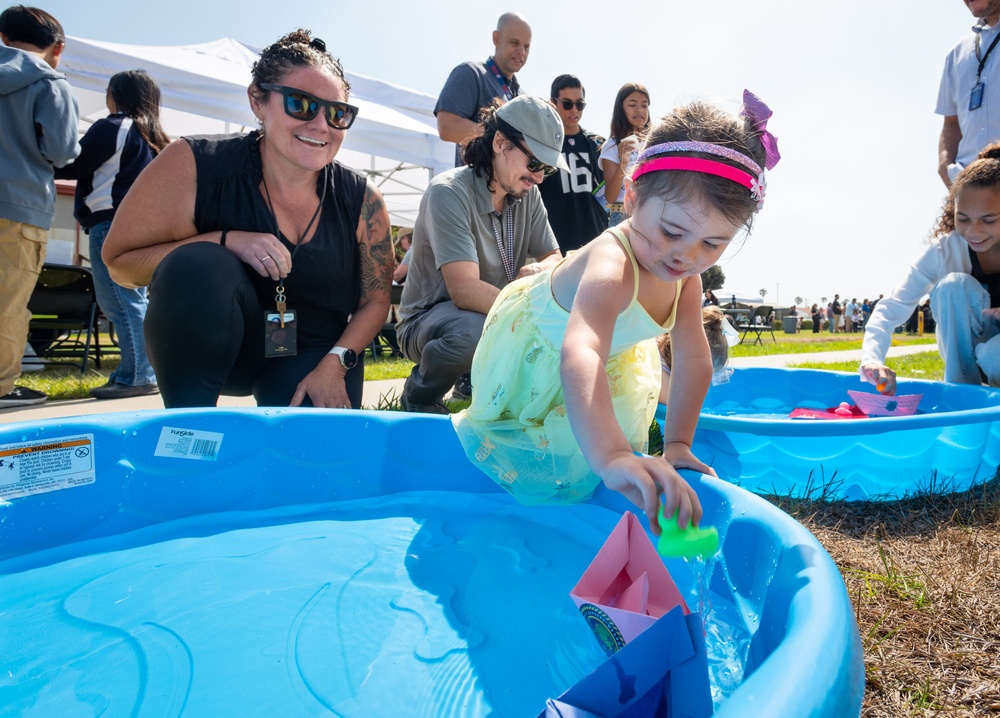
279	341
976	98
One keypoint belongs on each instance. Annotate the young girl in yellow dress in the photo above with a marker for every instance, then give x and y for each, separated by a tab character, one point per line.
567	372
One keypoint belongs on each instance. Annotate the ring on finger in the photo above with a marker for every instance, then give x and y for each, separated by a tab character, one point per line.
266	256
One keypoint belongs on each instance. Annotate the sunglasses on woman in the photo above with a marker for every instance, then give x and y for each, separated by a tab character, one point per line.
568	105
535	164
303	106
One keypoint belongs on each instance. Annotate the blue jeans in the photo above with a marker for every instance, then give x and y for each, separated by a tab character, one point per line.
126	308
967	341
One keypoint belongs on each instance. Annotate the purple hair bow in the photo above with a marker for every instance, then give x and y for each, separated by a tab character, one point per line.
759	113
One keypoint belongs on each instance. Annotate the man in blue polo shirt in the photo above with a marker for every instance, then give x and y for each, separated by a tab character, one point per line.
969	97
474	85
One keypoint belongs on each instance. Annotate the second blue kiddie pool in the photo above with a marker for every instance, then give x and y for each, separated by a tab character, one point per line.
309	562
745	434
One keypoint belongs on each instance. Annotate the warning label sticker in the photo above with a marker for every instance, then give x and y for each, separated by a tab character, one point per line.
188	444
34	467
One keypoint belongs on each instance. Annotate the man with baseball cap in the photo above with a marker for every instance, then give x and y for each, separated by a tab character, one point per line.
475	230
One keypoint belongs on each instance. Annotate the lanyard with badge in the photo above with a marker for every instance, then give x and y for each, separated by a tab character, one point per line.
976	98
508	94
280	326
506	247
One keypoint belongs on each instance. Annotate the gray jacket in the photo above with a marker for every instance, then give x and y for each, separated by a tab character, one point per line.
39	123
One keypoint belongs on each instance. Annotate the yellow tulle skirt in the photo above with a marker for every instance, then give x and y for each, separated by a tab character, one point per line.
516	429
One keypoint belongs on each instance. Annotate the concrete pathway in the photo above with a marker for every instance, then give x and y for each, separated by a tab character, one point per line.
376	392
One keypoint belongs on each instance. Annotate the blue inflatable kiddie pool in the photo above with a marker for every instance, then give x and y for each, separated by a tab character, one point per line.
310	562
745	434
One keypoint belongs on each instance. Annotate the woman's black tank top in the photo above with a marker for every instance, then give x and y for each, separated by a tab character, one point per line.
324	286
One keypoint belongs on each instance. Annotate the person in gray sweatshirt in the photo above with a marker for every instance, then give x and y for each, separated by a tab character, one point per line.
40	119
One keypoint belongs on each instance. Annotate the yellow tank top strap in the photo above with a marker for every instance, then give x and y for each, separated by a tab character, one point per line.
623	240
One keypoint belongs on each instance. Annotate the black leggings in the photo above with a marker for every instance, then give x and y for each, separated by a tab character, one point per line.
205	335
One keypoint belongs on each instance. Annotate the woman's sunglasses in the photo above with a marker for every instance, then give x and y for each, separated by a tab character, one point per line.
568	105
535	164
303	106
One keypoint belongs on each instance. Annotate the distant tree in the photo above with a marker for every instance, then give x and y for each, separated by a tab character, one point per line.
799	300
823	299
763	293
713	278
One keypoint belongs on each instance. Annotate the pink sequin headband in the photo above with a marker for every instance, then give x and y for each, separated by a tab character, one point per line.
704	147
756	185
758	113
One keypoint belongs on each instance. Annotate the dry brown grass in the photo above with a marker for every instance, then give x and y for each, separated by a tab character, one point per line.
923	574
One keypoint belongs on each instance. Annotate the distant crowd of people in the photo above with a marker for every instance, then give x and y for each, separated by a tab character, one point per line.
847	317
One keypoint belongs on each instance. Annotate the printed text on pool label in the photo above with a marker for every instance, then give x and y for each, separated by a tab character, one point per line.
188	444
34	467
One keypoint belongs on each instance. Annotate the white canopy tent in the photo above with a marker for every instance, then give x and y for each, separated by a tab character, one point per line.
394	140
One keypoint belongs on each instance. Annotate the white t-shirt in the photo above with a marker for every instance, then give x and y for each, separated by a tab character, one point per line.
610	152
981	126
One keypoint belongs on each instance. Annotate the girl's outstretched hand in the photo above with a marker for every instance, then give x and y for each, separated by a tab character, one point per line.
881	376
641	479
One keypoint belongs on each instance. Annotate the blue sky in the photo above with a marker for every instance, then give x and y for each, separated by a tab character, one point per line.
853	87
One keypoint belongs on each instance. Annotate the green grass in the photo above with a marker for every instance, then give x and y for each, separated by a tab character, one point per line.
399	368
924	365
62	383
822	342
66	382
907	587
395	368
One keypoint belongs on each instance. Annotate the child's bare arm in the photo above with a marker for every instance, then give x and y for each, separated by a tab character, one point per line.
604	291
691	370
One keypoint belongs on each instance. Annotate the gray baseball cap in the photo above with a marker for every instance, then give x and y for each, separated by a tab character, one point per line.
541	126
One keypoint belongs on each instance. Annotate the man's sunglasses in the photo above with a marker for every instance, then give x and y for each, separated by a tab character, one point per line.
535	164
303	106
569	104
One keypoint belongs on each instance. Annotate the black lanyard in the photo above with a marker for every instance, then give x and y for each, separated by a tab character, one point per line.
983	59
274	216
279	298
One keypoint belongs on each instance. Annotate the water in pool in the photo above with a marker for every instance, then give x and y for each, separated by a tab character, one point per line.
420	604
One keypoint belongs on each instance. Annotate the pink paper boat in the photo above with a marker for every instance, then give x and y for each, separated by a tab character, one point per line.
626	587
879	405
852	412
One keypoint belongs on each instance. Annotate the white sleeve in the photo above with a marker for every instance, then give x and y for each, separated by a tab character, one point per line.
895	309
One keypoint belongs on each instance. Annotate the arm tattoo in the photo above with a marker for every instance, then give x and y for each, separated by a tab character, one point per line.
377	258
